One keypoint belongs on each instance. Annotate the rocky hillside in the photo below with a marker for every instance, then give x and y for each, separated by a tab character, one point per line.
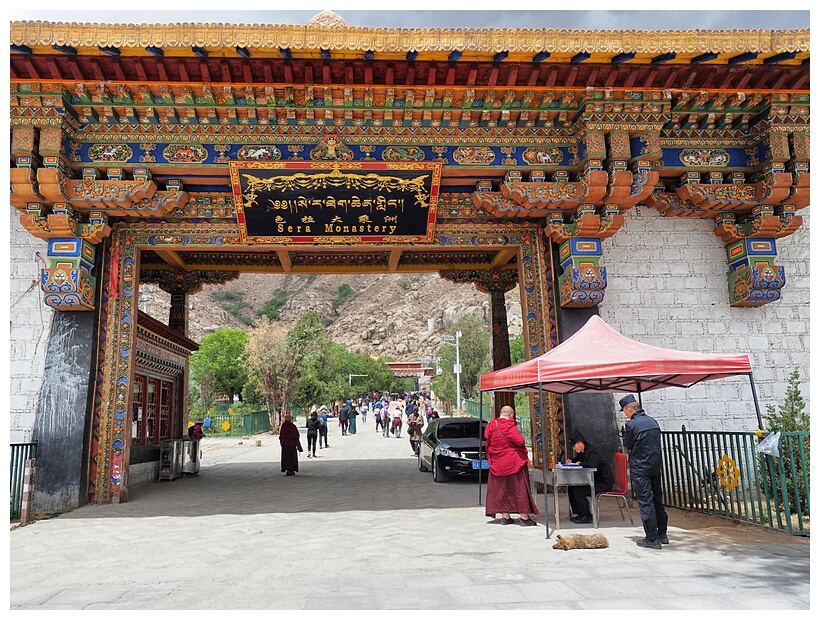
401	315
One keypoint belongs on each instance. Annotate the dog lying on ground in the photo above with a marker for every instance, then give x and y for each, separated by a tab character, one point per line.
580	541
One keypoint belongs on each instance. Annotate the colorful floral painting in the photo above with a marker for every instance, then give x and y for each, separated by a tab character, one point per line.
474	155
712	158
185	153
110	152
402	153
259	152
542	157
330	148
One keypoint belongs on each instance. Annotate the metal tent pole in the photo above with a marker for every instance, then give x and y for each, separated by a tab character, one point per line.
757	404
543	452
480	451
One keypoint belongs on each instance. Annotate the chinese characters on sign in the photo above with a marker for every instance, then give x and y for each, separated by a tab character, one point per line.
295	202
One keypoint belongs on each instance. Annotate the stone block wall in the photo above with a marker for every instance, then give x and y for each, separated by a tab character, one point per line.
668	287
30	321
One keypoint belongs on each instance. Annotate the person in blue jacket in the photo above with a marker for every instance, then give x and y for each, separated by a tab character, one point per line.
323	416
642	437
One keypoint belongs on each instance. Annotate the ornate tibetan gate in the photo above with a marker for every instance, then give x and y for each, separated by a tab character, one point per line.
162	165
134	250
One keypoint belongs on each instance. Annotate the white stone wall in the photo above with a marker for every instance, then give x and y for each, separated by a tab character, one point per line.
668	287
142	473
30	321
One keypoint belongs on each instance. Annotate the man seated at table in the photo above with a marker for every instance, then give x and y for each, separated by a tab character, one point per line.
587	456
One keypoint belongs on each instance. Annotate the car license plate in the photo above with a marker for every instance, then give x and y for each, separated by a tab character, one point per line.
481	464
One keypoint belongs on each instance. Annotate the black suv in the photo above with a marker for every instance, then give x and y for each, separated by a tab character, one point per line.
450	446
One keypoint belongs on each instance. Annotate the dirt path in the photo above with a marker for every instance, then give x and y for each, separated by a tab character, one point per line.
728	531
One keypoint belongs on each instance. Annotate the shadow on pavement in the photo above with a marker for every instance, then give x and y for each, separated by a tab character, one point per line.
320	486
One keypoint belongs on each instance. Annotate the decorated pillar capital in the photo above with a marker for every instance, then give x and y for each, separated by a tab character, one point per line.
495	282
174	281
485	280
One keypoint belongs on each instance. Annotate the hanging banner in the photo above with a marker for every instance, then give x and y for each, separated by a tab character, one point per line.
335	202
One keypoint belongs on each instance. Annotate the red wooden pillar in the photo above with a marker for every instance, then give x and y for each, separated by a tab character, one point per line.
495	282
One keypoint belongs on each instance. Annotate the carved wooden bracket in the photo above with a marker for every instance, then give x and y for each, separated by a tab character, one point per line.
138	197
184	281
485	280
748	218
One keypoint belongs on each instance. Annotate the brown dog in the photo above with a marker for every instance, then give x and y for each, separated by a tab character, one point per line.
580	541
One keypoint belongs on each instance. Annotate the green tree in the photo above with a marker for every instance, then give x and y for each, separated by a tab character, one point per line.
444	387
517	352
273	365
316	353
791	417
308	334
474	354
218	365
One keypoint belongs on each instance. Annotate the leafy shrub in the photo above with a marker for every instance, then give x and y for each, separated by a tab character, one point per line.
233	303
791	417
222	296
343	294
274	305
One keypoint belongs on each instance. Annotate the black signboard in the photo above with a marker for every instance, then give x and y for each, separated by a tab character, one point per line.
300	202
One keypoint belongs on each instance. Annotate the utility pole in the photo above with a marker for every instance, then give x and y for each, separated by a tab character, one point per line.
457	368
458	375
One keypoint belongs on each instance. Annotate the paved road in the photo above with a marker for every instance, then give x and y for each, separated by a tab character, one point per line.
241	535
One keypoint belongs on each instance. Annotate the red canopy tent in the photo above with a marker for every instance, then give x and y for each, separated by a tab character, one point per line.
599	359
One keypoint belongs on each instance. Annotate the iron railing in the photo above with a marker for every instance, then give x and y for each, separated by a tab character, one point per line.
723	474
238	424
20	453
472	408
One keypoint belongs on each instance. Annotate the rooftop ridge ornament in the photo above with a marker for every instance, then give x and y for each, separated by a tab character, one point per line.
327	19
514	40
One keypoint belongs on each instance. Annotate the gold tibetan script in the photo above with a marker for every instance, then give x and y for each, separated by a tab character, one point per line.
334	179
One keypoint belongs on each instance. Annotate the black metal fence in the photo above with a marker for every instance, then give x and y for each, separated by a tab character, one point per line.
20	453
723	474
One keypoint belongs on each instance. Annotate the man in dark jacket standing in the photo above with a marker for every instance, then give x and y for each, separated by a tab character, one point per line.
344	416
642	437
587	456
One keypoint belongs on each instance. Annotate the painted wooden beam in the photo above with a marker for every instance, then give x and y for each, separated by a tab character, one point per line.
393	262
284	260
503	257
170	257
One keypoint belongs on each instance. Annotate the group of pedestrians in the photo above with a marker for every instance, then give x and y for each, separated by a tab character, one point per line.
390	413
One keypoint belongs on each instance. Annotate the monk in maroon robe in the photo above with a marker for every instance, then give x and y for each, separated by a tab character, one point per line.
508	485
289	441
